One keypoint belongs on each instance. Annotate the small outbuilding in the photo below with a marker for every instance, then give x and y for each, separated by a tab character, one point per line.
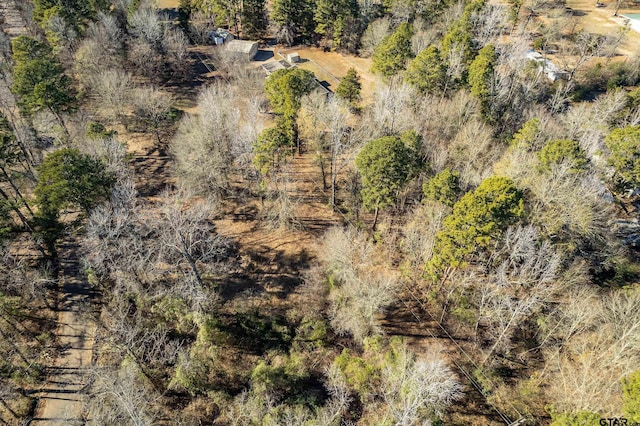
273	66
552	71
293	58
220	36
243	48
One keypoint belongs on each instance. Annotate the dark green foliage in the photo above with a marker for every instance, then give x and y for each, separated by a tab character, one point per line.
393	53
633	98
385	165
477	219
427	72
624	144
68	178
333	17
96	130
271	146
349	88
10	151
514	10
6	221
443	187
285	89
288	379
359	373
254	18
255	331
481	72
224	11
311	334
76	13
563	151
413	143
459	38
631	396
294	17
526	137
480	78
38	78
25	49
185	8
600	78
581	418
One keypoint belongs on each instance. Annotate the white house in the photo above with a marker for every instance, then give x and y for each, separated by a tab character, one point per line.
552	71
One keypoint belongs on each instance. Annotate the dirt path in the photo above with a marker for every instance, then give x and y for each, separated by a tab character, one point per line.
11	20
61	401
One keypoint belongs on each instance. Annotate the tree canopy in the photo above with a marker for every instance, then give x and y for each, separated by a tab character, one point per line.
285	89
38	78
393	53
563	151
443	187
481	72
624	144
68	178
385	165
75	12
332	18
479	217
349	88
631	396
427	72
294	17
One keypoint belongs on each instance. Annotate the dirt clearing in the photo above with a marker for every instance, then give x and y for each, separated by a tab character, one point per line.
601	20
332	67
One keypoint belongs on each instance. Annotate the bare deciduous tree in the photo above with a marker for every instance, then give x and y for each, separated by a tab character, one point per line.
594	333
153	107
373	35
122	397
114	89
414	388
420	231
361	292
144	23
185	234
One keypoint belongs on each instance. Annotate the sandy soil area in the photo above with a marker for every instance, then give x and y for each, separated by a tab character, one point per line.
332	67
601	20
168	4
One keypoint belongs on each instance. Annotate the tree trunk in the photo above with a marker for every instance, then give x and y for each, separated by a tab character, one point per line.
375	219
323	172
62	123
19	196
23	219
618	3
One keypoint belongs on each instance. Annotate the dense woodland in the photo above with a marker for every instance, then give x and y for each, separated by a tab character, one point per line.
473	259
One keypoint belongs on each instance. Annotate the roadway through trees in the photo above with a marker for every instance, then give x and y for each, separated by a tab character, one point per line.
62	397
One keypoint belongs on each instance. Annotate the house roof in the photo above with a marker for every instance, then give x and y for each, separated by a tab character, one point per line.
241	46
